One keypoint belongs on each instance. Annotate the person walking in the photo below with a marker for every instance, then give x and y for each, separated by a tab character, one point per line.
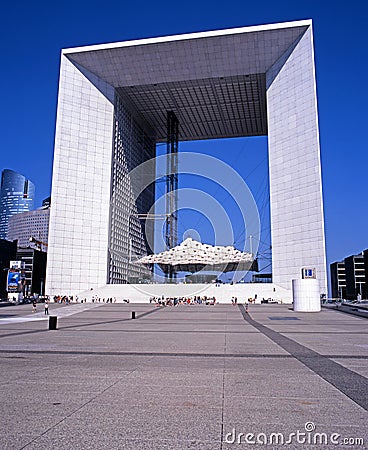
46	307
34	306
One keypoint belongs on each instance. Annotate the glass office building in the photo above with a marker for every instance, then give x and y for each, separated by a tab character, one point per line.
16	196
31	224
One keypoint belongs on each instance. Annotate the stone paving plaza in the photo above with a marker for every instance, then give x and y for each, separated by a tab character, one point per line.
189	377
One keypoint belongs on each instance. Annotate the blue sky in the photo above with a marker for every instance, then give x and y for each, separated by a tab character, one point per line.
32	34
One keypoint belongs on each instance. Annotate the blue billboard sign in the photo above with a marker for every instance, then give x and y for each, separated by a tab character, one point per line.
13	280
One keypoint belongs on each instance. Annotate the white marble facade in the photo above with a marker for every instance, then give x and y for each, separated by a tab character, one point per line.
297	225
273	64
79	218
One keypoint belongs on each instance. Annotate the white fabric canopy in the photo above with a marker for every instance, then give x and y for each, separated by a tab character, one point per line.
193	256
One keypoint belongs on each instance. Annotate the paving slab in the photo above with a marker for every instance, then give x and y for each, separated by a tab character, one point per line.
181	377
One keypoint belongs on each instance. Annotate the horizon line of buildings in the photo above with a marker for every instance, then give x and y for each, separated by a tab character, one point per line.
24	230
23	233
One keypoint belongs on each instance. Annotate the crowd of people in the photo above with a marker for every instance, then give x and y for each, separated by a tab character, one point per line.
176	301
97	299
194	300
158	301
63	299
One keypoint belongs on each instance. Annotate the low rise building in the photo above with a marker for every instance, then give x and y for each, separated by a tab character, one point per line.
30	229
34	263
349	277
338	280
356	287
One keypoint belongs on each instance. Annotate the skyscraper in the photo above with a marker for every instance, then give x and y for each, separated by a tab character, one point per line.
16	196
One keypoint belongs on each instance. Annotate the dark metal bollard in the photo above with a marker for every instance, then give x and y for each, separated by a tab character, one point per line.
133	314
52	322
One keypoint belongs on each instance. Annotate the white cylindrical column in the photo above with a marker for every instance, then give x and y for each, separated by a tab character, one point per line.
306	295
